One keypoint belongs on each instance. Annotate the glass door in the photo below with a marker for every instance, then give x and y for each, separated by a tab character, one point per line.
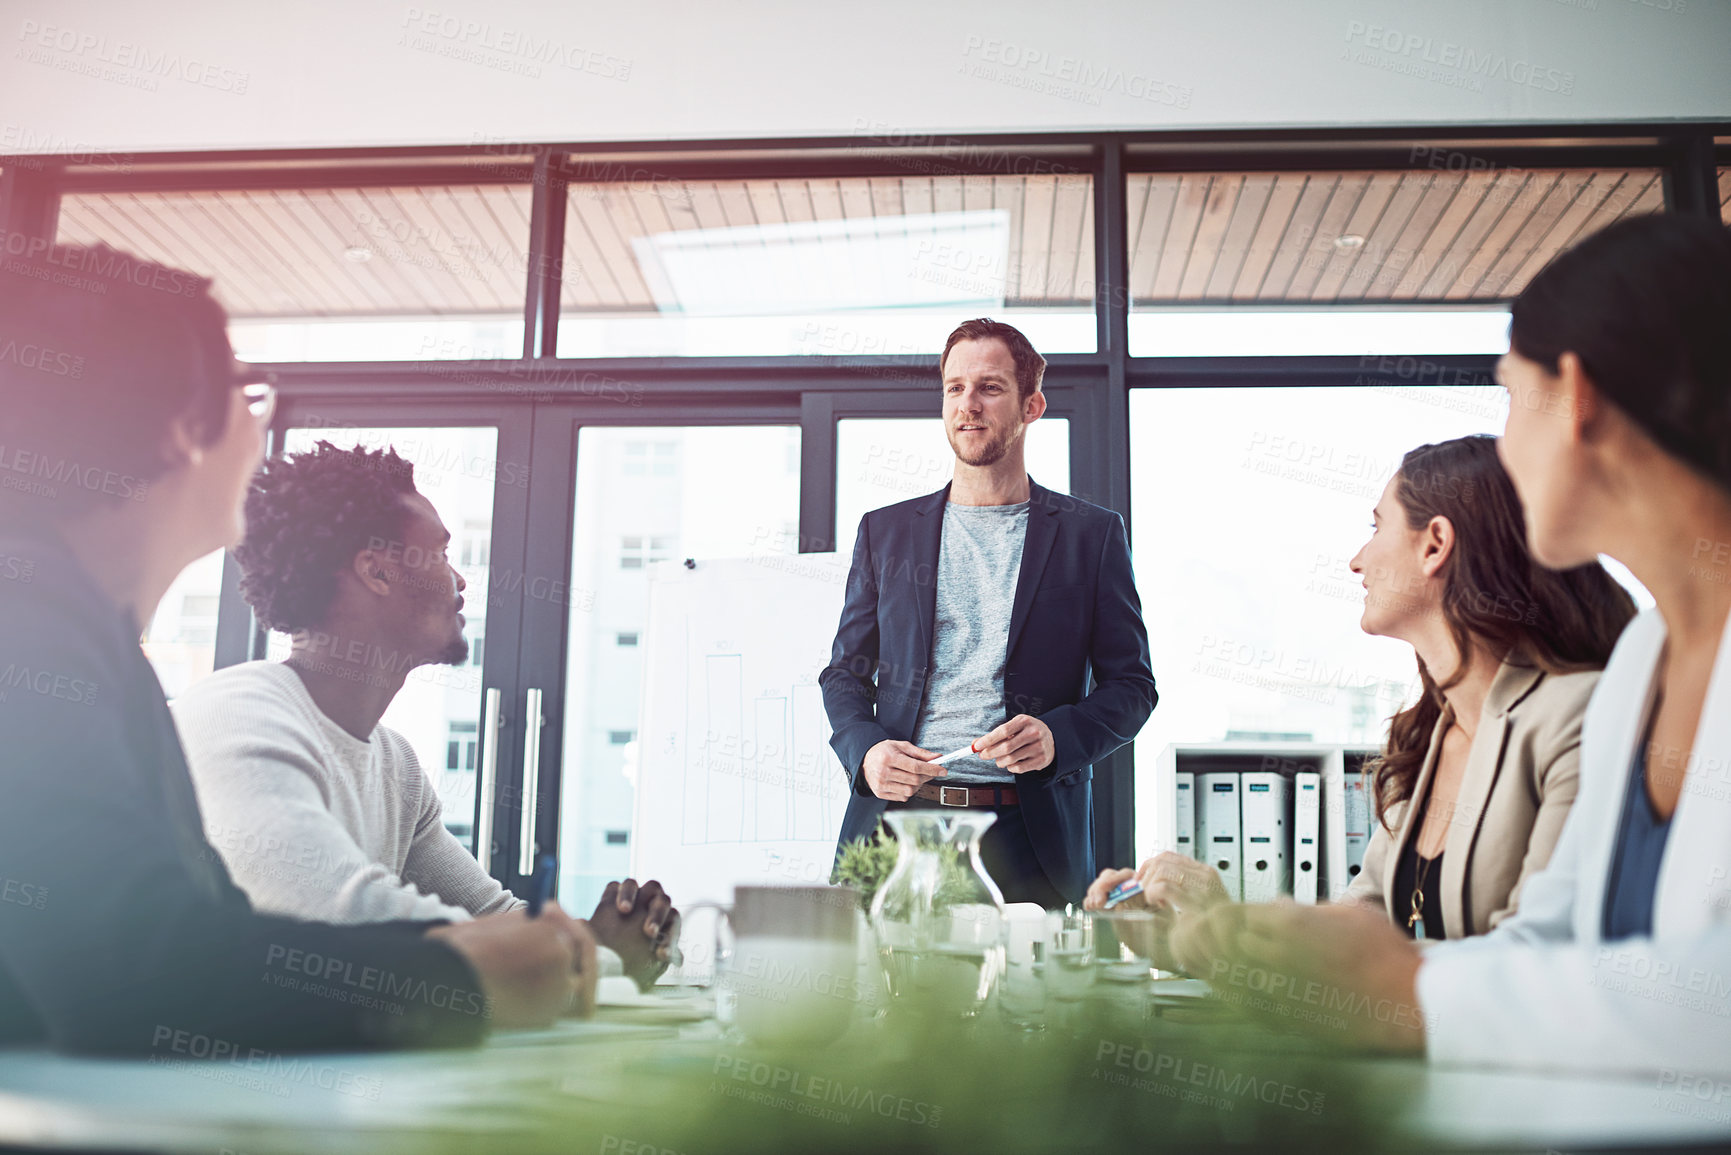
464	720
641	497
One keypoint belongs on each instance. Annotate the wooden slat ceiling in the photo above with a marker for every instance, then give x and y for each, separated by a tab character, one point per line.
437	250
1051	257
1193	237
1420	236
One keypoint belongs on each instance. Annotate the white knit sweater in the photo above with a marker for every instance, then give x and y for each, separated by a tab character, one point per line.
311	821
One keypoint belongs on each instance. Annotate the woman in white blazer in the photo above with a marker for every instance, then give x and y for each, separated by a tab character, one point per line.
1619	442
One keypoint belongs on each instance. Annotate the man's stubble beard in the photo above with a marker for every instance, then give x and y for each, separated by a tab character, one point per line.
993	453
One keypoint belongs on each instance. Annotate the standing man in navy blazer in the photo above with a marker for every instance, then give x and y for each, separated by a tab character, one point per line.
993	613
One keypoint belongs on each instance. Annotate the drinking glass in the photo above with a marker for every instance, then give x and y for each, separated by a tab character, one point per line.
1022	993
1070	965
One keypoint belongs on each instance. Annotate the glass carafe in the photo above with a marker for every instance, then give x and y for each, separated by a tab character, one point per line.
938	918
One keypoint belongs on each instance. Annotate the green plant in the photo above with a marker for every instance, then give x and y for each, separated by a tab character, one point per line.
865	863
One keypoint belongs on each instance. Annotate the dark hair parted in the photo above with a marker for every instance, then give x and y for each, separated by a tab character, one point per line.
307	516
1646	306
1495	596
100	353
1030	366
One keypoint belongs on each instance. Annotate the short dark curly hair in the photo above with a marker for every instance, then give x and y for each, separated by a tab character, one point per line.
307	516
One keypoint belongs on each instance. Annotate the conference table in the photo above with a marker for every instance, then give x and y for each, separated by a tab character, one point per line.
643	1080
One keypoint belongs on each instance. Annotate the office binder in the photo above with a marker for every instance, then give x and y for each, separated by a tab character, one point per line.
1306	826
1355	821
1265	805
1217	828
1185	814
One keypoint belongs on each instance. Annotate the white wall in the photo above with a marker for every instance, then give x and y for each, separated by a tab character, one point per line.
285	73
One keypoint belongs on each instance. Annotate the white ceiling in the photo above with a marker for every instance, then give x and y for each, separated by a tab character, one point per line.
201	74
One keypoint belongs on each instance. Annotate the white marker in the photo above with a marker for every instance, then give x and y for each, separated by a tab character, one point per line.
945	759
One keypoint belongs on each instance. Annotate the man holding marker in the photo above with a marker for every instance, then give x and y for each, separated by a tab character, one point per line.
991	646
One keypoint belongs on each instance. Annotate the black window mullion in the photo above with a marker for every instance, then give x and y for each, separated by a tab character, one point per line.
817	488
1692	177
29	203
546	257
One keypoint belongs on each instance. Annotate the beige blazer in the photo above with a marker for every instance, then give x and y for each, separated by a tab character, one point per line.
1519	783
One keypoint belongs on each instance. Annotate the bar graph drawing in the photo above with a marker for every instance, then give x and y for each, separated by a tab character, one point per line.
737	782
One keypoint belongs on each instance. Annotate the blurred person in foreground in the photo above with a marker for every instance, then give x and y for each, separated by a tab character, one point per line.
130	434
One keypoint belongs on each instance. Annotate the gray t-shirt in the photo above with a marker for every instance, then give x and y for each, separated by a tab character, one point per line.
978	564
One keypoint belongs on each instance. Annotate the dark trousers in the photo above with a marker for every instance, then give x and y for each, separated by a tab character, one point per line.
1008	856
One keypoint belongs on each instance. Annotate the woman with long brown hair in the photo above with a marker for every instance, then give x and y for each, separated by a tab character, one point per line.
1478	774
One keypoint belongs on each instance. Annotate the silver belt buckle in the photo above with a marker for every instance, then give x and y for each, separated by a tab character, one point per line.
944	795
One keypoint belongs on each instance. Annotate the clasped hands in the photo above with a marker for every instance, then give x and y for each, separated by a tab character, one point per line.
534	969
1340	971
895	769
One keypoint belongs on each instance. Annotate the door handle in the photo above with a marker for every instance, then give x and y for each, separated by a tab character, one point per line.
489	782
526	848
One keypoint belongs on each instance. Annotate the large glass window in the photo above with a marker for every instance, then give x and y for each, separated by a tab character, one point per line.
700	492
839	266
1247	505
181	638
438	709
1462	229
395	273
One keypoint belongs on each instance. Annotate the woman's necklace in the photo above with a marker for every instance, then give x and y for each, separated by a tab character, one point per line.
1415	921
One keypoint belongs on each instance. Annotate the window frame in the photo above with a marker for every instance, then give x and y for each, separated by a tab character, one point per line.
1091	389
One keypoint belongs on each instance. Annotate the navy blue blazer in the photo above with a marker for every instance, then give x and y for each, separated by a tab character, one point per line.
1076	623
